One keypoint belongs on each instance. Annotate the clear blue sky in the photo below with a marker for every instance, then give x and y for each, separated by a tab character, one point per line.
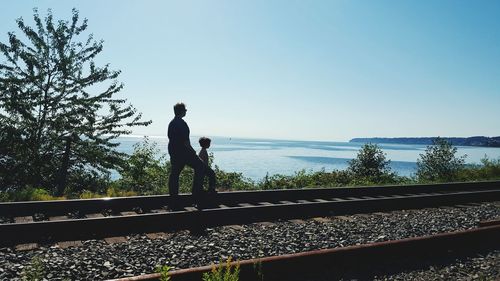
307	70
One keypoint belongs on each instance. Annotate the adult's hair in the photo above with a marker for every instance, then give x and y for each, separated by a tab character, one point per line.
204	141
179	108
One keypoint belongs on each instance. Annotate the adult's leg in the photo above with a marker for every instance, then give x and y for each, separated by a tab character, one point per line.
198	166
211	178
175	170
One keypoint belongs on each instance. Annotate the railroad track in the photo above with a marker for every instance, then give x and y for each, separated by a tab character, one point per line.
335	262
69	220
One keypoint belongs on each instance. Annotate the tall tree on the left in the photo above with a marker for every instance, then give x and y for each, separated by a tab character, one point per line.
58	115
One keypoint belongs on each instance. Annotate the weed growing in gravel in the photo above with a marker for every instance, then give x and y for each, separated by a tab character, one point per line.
257	266
164	270
223	272
258	270
34	271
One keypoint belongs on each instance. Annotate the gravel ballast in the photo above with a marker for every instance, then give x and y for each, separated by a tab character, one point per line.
97	260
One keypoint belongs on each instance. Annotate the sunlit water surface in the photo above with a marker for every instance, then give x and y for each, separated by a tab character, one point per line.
254	158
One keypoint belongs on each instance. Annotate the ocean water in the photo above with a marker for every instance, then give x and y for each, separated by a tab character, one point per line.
254	158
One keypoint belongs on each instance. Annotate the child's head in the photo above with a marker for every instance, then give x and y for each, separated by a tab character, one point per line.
204	142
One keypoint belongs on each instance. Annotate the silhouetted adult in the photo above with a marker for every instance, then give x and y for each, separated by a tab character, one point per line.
182	154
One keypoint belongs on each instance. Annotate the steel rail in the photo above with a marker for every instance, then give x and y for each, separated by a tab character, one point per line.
355	258
119	204
90	228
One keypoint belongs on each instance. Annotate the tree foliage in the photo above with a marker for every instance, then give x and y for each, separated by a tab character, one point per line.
146	169
58	113
439	162
371	165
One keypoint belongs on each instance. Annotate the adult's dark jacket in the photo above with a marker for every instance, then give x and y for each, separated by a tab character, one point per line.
178	138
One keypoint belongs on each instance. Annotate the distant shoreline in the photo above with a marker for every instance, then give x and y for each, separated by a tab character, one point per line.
470	141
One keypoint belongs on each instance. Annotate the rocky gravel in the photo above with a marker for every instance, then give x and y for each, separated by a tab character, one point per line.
97	260
40	217
4	220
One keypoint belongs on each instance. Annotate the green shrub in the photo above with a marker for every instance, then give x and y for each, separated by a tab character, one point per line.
232	180
371	166
487	170
4	196
300	179
30	194
439	163
145	171
330	179
95	181
40	194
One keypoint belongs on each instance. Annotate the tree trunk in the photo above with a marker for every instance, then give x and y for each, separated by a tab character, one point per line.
63	172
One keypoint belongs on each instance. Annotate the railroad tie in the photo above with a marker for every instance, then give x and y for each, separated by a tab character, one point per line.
411	194
434	193
446	207
297	221
246	205
157	235
234	227
480	204
58	218
463	206
363	215
159	211
23	219
93	216
26	247
115	240
265	223
321	219
344	218
128	213
191	209
67	244
265	203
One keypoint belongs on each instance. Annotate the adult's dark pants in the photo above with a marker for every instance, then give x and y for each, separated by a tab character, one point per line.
211	177
178	163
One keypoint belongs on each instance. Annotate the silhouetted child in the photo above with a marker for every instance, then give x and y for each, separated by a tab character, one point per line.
205	144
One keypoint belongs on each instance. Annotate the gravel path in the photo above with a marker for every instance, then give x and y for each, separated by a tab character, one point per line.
97	260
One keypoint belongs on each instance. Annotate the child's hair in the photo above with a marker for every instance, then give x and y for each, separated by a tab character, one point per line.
204	142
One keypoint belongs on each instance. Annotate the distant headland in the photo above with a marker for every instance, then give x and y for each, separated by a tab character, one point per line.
470	141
